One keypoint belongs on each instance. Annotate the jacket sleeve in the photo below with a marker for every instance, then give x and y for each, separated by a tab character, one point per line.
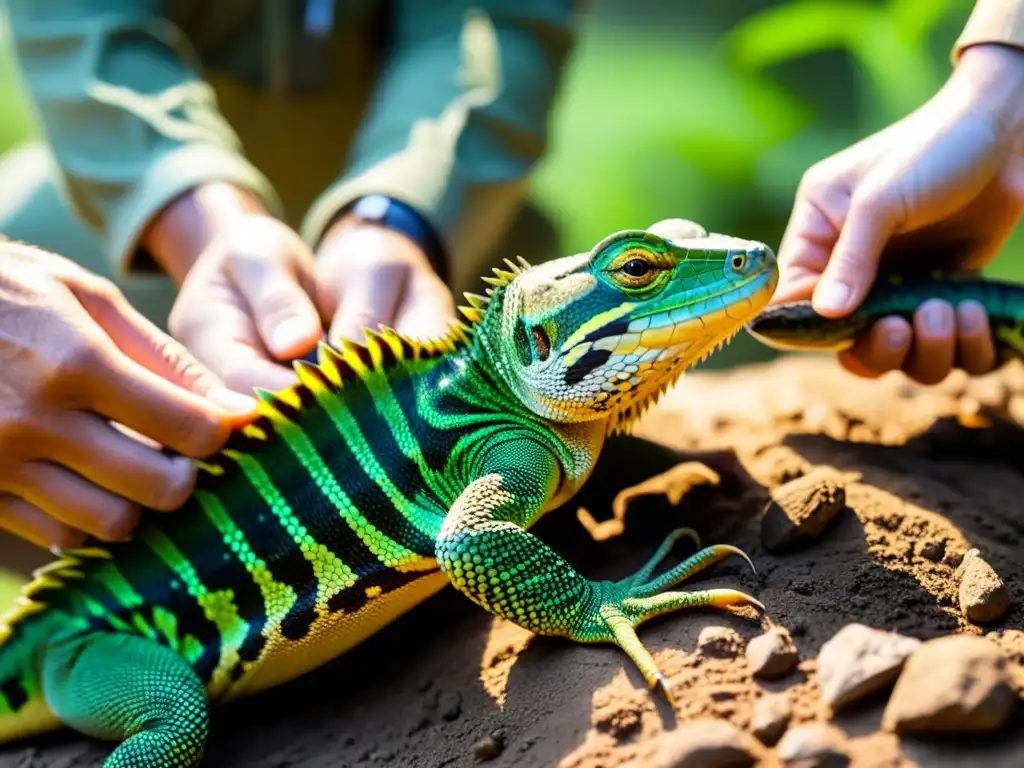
459	118
130	121
992	21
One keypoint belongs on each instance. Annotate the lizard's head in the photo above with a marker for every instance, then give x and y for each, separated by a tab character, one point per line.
603	334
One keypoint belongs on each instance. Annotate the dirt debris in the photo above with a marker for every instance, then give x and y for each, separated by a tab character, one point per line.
859	660
954	684
771	717
818	745
719	642
800	509
772	654
983	596
928	474
704	744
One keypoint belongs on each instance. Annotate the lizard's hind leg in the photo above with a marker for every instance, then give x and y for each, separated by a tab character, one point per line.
126	688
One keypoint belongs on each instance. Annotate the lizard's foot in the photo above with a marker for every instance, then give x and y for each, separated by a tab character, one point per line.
626	604
673	484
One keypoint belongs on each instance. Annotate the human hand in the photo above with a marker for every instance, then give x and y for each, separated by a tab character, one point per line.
943	187
376	276
253	297
248	305
76	357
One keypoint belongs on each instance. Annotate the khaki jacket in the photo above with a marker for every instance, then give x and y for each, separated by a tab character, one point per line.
309	104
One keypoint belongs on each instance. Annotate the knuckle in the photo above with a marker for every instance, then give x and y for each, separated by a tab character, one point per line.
815	181
183	321
199	435
283	300
177	487
19	426
72	364
874	201
65	537
118	521
98	287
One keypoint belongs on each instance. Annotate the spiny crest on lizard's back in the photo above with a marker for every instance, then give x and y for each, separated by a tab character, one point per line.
603	334
50	577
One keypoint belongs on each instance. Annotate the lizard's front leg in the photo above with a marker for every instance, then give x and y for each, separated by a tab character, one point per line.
488	555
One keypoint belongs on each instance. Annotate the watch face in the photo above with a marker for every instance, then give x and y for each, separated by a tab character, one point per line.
373	207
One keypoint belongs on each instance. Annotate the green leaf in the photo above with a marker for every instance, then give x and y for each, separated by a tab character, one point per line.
796	29
916	19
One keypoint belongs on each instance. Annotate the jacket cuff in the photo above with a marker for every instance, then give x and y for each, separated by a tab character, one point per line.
992	21
175	173
406	184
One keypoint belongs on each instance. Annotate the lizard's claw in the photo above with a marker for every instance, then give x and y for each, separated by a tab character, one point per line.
626	604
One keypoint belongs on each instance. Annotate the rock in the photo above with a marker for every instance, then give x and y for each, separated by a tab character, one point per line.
720	642
957	683
800	509
450	706
983	596
489	747
934	550
706	743
818	745
859	660
771	717
772	654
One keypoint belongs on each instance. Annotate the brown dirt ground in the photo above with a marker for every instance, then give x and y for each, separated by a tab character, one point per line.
441	678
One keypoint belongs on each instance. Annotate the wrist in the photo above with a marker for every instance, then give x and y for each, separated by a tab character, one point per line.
399	218
994	76
184	229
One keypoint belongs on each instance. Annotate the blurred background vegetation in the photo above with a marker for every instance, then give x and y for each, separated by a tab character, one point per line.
710	110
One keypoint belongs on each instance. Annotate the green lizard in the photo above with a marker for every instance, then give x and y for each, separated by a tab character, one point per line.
796	326
390	469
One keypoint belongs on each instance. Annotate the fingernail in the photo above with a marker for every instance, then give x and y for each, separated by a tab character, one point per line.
230	400
833	295
935	319
971	316
896	338
288	333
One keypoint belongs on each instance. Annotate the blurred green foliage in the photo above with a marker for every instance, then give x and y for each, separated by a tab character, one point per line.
712	110
10	585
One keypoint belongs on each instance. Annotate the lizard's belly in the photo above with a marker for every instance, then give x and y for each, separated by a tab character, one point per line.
333	634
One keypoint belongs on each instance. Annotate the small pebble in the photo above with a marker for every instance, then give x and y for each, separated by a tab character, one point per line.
801	509
489	747
450	706
859	660
772	713
983	596
706	743
818	745
772	654
934	550
720	642
955	684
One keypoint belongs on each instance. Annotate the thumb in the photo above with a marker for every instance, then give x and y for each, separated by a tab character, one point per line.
853	266
288	322
142	342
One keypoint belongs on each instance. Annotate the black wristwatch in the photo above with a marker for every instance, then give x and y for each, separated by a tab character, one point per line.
394	214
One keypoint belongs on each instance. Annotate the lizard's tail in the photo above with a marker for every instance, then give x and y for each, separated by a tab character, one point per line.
25	629
23	712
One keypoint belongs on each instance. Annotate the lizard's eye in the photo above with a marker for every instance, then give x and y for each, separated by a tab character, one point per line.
636	267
